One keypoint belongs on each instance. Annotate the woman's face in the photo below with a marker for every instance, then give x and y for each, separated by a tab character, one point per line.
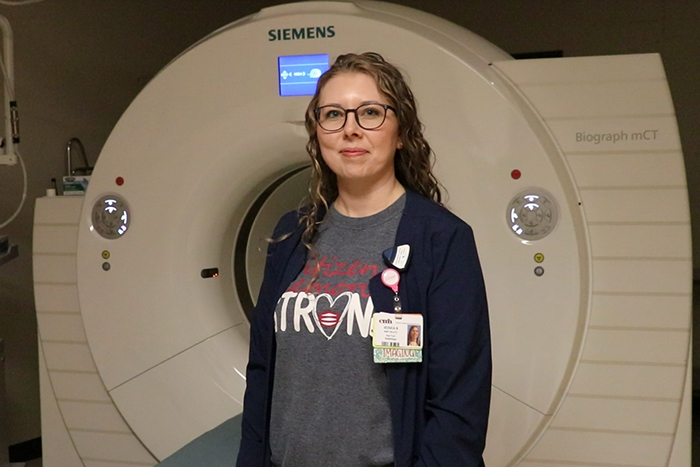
353	153
414	333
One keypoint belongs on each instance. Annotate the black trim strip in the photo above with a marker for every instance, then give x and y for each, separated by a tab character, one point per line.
544	54
25	451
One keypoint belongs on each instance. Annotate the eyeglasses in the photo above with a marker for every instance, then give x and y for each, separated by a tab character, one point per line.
368	116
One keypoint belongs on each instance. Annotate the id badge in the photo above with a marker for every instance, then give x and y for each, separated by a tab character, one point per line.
397	338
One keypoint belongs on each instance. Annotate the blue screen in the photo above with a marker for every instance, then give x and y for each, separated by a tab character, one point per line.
298	74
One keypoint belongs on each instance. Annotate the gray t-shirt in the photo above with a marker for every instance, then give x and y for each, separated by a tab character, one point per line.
330	403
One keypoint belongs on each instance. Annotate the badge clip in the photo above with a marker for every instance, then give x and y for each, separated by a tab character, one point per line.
397	257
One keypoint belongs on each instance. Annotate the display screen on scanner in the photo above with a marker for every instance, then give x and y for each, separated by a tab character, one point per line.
298	74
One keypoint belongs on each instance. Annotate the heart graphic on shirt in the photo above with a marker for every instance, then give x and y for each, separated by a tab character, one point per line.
327	320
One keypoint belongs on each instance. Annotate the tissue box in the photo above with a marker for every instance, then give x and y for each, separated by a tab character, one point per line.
75	185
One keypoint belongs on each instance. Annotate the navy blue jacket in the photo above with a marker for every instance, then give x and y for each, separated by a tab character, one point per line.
439	408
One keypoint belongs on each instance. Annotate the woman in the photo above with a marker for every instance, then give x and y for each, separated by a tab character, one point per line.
414	336
314	395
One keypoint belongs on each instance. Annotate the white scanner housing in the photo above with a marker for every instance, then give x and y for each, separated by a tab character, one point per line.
590	302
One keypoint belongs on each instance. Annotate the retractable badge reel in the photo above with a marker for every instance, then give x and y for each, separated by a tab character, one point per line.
397	336
391	279
397	259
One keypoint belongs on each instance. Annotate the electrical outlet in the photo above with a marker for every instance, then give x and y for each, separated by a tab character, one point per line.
8	159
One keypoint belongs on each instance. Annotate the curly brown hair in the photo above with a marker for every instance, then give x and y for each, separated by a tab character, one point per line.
412	162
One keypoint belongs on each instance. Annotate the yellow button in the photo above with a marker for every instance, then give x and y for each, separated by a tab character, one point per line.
105	254
539	257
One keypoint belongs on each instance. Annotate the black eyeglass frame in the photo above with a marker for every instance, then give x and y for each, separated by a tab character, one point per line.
317	112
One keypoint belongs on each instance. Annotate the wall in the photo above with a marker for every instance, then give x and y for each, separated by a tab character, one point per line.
79	63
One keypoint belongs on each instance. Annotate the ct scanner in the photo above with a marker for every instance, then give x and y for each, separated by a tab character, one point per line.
569	170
